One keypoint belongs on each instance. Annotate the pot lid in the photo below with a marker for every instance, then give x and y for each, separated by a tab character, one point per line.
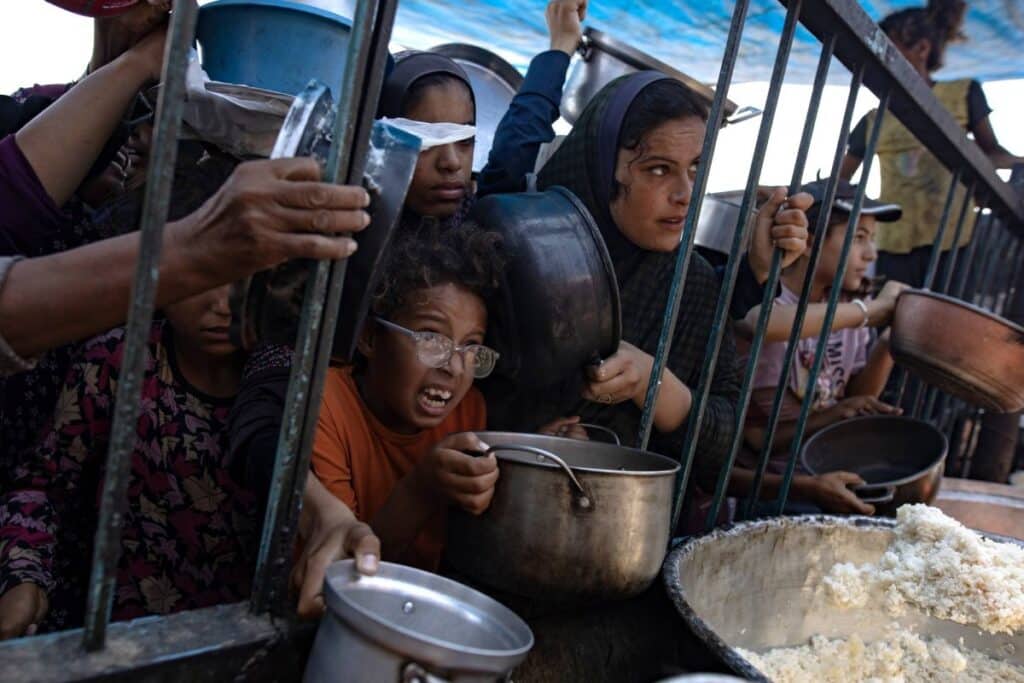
427	618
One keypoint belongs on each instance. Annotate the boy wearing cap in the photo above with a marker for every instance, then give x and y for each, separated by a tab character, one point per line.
854	372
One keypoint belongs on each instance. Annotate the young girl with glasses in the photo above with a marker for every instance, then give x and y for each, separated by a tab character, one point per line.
391	441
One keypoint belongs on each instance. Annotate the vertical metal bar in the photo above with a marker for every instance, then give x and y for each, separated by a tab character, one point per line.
740	238
933	266
961	285
358	94
801	310
954	252
159	178
675	295
833	301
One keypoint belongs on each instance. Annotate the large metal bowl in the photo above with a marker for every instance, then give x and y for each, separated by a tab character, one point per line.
962	349
757	585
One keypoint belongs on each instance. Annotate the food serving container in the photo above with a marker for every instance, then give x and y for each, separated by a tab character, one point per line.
410	626
558	308
962	349
495	82
277	45
757	585
901	459
570	521
601	59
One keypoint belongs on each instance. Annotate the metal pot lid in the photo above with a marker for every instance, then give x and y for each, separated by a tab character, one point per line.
427	618
495	82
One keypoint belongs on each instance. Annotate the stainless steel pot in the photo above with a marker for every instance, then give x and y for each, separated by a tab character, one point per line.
602	59
406	625
757	585
570	521
901	459
495	82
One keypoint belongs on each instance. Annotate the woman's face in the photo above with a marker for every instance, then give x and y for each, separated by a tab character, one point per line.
403	393
443	174
201	322
656	184
862	253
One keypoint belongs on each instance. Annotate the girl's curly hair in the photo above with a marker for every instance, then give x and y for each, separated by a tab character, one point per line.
940	22
466	255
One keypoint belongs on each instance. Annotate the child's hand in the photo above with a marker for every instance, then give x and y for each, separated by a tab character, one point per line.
880	309
564	18
21	610
336	534
780	222
621	377
567	427
863	405
460	478
831	492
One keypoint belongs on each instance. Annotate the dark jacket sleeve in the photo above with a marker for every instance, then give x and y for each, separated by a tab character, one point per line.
526	125
747	293
685	360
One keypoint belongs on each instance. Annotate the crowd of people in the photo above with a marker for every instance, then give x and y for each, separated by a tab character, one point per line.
395	443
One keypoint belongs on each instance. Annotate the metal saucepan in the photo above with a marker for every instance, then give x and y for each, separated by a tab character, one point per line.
409	626
602	59
558	308
901	459
570	521
757	585
495	82
962	349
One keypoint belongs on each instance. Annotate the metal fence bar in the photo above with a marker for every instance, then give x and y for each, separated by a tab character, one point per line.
801	309
960	286
323	293
675	295
954	252
833	302
159	179
740	238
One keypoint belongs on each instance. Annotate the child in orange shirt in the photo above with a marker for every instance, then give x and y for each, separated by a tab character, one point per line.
391	441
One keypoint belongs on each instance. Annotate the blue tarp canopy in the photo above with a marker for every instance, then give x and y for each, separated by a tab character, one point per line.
690	34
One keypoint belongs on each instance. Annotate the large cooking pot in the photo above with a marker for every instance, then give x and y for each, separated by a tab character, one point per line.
495	82
602	59
901	459
962	349
404	625
275	45
570	521
757	585
558	308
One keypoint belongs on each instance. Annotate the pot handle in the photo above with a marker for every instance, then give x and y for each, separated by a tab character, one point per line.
600	428
581	496
888	493
742	114
414	673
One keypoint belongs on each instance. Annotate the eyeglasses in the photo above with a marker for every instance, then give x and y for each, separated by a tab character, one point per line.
436	350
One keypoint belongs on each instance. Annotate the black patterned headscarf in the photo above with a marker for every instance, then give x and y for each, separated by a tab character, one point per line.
585	161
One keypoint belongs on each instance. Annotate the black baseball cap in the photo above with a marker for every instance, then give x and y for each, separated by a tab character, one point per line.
845	193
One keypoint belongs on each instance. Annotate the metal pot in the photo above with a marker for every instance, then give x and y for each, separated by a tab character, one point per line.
406	625
962	349
901	459
602	59
558	308
495	82
570	521
757	584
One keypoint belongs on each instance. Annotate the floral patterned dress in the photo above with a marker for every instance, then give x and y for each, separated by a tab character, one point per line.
189	519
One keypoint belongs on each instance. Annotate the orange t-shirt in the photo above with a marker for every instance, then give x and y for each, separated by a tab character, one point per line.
361	461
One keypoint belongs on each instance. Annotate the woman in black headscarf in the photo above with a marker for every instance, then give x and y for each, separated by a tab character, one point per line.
631	159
